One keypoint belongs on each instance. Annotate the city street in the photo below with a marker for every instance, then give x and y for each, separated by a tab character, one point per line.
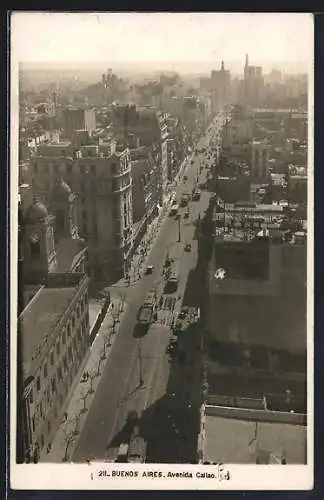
135	357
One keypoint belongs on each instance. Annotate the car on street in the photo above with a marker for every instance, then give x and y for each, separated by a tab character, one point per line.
185	177
196	196
149	270
186	215
137	449
177	216
187	248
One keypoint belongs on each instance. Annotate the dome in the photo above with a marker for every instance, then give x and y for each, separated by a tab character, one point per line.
61	190
36	212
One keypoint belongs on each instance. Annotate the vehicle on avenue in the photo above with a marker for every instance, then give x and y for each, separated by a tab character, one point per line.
172	277
172	346
184	200
149	270
137	448
185	177
187	247
177	216
122	453
196	196
174	210
146	312
186	215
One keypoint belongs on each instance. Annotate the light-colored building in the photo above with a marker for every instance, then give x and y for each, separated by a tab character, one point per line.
100	175
258	436
78	119
54	331
260	154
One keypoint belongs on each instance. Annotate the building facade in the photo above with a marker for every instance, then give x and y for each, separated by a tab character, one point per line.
100	175
259	159
54	330
78	119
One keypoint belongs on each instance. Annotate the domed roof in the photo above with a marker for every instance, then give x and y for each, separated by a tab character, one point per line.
36	212
61	190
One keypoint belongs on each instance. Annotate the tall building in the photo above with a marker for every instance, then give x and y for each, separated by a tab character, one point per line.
220	84
100	175
253	84
78	119
259	166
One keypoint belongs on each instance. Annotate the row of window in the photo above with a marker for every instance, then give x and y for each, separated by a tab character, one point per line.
62	340
83	169
76	349
58	399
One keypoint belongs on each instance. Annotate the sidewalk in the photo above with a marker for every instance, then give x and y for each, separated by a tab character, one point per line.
82	393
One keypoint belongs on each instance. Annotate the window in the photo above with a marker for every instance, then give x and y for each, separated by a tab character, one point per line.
58	348
52	358
48	395
114	185
45	370
73	321
38	383
82	169
70	353
114	168
69	169
42	442
33	424
69	329
65	366
41	409
93	169
59	374
49	426
31	395
64	337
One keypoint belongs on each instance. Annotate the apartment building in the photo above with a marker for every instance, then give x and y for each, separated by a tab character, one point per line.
100	175
54	332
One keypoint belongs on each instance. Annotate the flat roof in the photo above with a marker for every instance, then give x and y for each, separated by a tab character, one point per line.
230	440
38	319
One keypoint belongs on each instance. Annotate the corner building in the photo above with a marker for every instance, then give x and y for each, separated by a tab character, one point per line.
100	175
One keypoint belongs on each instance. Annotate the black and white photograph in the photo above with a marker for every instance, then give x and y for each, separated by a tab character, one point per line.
161	251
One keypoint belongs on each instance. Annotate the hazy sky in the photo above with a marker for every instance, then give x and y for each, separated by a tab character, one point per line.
160	37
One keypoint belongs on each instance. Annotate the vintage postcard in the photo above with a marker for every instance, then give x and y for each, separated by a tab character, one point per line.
162	222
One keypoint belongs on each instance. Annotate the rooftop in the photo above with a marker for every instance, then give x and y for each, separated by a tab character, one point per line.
252	441
42	314
37	321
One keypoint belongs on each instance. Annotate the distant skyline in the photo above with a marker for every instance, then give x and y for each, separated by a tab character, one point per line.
188	42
